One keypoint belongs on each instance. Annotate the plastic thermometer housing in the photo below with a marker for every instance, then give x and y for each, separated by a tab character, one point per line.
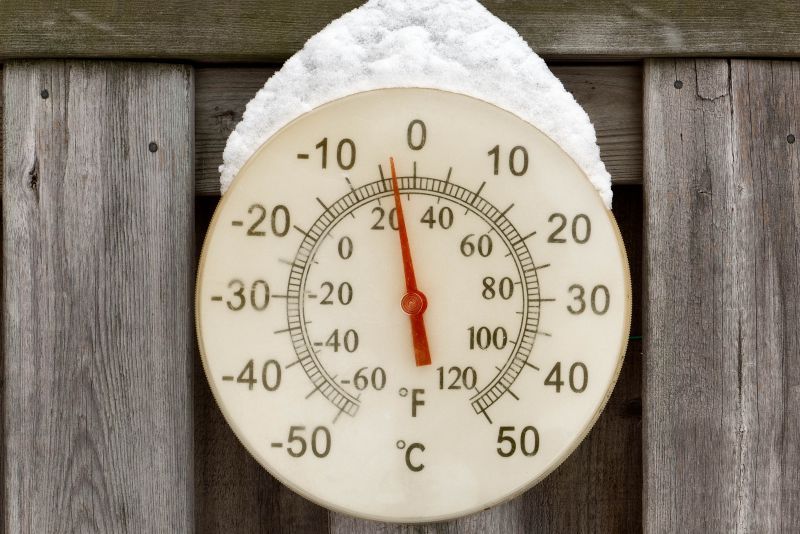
311	355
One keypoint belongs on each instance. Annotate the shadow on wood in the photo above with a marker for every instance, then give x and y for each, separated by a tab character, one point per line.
611	95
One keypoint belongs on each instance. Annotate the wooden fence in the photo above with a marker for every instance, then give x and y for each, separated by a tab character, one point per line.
109	182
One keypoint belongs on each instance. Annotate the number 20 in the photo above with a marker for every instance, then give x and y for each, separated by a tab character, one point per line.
581	228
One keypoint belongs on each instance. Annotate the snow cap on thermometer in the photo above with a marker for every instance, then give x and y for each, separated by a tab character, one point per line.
454	45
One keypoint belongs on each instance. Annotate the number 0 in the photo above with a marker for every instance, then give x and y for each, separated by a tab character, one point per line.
416	130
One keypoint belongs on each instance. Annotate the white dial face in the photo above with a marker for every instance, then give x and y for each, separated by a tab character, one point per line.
310	353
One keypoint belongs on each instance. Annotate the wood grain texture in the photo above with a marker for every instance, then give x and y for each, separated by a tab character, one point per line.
233	493
722	325
222	94
598	489
254	30
98	339
2	357
611	95
1	128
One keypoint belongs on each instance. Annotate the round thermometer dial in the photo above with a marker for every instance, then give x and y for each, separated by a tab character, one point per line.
411	305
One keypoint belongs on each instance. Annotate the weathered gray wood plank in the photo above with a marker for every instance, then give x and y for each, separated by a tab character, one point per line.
1	128
253	30
722	325
2	356
234	494
97	332
611	95
598	488
222	94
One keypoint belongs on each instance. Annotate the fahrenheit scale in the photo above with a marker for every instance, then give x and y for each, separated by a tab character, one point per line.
411	305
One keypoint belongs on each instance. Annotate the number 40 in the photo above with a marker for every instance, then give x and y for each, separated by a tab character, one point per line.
578	377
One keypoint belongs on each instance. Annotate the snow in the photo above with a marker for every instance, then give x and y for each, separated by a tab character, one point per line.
455	45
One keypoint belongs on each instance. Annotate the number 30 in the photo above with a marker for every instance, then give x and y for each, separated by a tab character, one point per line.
600	299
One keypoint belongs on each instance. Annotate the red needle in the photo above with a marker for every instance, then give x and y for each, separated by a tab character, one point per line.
413	302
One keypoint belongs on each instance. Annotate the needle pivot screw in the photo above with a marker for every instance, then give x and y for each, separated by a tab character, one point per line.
414	303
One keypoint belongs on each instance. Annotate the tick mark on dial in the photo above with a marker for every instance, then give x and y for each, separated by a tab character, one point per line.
486	415
300	230
522	240
352	189
298	360
341	411
316	388
529	364
507	389
543	300
302	156
282	331
546	265
447	181
503	213
476	196
237	223
321	203
227	378
276	445
216	298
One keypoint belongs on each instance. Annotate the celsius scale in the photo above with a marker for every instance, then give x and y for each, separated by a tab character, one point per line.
411	305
